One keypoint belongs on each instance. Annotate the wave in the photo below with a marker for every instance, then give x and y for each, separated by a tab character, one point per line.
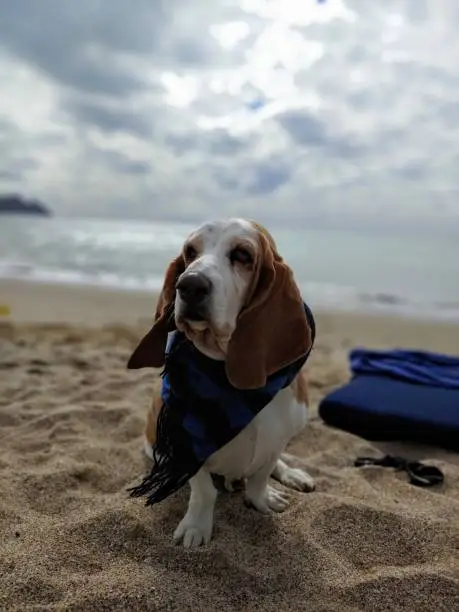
319	295
29	272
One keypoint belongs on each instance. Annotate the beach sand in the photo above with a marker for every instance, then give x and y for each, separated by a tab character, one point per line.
71	434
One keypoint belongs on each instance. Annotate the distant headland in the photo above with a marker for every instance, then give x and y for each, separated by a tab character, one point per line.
17	205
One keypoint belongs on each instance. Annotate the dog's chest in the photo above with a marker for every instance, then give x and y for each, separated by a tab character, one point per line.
262	440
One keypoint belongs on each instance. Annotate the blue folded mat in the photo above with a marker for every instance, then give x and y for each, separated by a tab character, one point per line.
398	395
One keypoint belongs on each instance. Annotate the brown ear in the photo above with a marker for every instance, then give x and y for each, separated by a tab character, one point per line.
272	330
150	351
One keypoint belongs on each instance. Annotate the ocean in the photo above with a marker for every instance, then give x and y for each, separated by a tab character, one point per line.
372	271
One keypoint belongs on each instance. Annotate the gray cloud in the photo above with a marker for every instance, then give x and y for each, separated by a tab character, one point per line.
304	129
62	40
118	162
217	142
10	175
412	171
15	169
78	44
268	177
109	119
308	131
17	160
348	105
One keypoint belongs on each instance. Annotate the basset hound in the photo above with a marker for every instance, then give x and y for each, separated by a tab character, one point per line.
231	295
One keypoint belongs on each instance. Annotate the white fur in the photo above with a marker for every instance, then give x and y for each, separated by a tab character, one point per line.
255	454
215	241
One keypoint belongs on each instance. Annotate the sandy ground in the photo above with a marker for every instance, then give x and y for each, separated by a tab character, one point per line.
71	420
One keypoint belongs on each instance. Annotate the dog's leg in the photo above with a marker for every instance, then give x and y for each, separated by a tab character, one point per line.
294	478
260	495
148	449
196	526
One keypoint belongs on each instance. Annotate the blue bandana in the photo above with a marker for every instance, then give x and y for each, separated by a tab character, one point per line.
201	413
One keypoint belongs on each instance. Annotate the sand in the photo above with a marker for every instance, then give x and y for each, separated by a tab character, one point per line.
71	420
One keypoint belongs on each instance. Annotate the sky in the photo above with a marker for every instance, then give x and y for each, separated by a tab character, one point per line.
330	112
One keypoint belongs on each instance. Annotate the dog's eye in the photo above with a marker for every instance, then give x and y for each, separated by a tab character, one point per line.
190	253
240	255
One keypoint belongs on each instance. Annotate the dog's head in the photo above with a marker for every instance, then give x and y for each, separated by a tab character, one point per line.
232	295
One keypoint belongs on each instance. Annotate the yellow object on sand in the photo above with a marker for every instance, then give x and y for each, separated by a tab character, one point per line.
5	310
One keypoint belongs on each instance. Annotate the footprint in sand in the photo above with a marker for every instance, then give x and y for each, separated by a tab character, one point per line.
367	537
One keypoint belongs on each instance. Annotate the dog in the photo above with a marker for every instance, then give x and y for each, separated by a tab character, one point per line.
234	298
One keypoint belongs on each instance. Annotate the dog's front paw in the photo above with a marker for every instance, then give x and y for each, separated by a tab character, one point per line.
295	478
193	531
270	500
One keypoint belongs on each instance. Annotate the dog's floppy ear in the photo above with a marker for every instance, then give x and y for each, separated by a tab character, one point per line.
150	351
272	329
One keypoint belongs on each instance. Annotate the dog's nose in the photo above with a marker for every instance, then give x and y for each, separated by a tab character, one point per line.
194	288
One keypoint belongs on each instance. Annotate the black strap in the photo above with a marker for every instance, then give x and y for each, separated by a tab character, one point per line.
419	474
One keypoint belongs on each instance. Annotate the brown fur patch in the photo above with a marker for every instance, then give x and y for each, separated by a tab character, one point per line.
272	330
299	387
153	413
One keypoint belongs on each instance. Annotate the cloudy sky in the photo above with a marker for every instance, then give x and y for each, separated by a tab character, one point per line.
329	111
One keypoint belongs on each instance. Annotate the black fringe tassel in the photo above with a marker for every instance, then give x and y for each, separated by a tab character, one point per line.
174	464
167	475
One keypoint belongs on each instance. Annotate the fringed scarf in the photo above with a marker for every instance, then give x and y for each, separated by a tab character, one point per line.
201	413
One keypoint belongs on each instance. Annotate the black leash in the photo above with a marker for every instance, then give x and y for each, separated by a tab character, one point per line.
419	474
